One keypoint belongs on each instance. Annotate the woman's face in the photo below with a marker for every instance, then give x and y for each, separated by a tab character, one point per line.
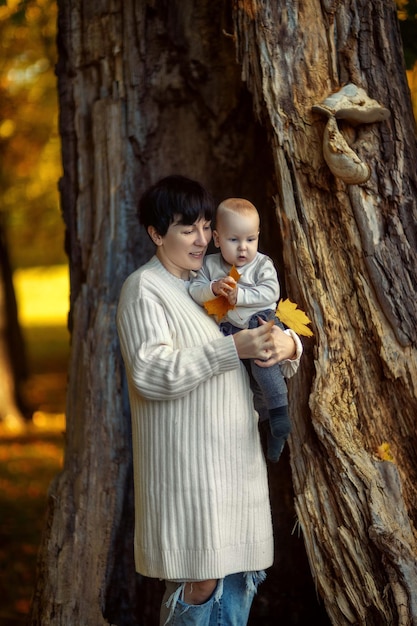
183	247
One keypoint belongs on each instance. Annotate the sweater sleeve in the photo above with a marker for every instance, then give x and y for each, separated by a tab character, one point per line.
200	286
158	366
289	367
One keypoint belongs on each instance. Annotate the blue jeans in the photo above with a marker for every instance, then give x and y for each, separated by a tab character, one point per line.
229	604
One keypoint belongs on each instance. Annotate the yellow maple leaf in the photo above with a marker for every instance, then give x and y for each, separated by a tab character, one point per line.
219	306
294	318
384	452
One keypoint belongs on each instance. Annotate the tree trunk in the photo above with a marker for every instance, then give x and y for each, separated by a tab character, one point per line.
13	366
349	254
152	88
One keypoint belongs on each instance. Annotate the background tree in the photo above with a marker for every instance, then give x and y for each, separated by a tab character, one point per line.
30	222
12	350
151	88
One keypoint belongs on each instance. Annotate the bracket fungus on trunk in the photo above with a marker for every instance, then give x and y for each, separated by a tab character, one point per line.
341	159
353	105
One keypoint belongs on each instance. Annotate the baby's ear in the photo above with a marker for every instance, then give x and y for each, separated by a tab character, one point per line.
216	238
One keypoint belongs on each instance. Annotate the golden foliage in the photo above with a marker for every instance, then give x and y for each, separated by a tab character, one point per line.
29	139
288	313
384	452
42	295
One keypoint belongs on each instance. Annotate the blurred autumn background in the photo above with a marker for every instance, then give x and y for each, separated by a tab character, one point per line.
32	247
33	265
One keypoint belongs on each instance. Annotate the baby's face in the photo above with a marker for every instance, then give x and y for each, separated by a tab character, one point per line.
237	237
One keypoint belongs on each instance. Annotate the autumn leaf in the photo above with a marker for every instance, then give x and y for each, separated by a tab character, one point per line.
293	318
384	452
219	306
234	274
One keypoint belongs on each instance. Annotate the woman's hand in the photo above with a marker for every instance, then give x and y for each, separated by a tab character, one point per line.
256	343
283	347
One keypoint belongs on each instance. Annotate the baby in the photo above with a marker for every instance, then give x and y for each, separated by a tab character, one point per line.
254	296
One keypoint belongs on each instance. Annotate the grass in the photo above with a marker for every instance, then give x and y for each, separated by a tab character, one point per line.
47	353
30	458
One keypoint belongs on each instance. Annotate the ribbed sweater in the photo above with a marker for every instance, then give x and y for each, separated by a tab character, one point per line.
201	493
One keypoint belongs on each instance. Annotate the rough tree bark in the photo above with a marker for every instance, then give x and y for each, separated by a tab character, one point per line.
349	253
151	88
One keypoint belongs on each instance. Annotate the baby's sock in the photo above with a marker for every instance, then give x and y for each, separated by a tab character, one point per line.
280	428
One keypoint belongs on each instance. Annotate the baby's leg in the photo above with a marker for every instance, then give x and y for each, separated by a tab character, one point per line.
274	392
280	428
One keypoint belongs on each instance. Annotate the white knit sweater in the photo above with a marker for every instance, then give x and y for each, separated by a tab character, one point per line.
201	493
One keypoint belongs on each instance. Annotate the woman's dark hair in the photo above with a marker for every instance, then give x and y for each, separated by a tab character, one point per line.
173	196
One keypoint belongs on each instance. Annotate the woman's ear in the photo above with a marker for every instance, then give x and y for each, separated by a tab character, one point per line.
216	238
154	235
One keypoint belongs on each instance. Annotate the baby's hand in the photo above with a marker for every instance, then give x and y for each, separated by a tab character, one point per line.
224	287
232	296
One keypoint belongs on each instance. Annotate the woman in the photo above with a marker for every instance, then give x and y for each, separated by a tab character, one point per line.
203	521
